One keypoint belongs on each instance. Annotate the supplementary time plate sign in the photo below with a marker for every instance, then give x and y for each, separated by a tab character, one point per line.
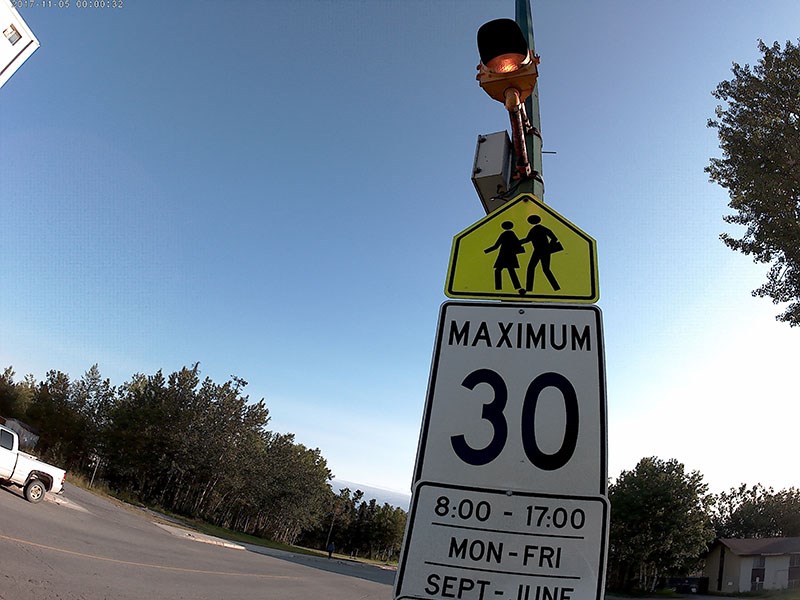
516	399
524	250
483	544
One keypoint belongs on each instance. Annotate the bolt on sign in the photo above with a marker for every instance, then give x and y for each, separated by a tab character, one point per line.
524	250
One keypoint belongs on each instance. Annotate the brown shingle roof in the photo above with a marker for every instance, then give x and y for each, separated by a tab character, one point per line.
757	546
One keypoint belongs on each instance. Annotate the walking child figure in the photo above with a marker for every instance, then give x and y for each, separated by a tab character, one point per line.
508	245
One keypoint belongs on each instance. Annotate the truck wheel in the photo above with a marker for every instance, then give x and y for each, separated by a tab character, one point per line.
35	491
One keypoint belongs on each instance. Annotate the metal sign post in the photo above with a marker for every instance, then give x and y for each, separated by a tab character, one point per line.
509	494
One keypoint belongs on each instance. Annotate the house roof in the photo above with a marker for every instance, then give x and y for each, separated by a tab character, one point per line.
759	546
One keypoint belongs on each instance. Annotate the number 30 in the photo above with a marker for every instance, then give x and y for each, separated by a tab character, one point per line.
493	412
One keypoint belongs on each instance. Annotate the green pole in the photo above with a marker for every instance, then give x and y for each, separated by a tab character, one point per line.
533	140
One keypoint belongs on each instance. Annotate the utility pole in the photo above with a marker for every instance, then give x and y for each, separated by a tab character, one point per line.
508	73
533	139
525	514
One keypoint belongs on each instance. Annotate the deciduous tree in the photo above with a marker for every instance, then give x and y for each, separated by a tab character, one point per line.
659	522
759	135
757	511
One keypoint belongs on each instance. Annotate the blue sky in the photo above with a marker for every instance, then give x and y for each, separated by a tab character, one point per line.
271	188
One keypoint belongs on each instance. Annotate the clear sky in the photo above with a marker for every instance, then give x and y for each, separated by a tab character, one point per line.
271	188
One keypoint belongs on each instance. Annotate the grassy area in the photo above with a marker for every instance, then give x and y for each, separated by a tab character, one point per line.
770	594
99	488
667	593
103	490
380	563
662	593
235	536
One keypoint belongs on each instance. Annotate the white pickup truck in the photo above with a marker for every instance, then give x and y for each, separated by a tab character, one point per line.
34	476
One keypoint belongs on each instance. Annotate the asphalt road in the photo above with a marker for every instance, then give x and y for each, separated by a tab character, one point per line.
654	597
90	548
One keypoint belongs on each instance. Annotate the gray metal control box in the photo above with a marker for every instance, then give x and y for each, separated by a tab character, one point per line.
491	172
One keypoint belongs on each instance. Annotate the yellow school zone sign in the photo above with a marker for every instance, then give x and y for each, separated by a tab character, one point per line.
524	250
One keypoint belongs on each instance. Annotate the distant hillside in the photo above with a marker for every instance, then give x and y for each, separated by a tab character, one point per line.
382	496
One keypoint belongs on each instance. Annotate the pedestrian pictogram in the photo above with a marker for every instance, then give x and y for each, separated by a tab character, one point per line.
524	251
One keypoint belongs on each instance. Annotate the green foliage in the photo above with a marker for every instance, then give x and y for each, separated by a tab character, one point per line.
191	446
66	413
659	523
359	528
15	398
759	134
757	512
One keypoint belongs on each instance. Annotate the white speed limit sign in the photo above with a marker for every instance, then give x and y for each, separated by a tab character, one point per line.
516	399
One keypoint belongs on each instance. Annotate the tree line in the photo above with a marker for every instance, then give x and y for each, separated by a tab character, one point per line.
200	449
663	520
359	528
203	449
